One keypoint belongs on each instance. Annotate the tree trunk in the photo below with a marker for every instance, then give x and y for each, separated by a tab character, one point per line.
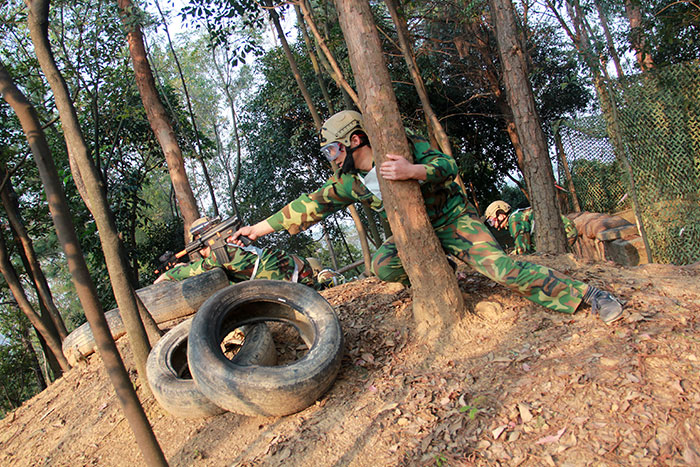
638	41
314	60
409	57
334	71
437	300
85	287
158	117
9	201
198	154
549	234
331	250
609	39
115	257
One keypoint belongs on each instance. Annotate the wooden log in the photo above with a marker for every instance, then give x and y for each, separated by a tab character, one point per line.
166	301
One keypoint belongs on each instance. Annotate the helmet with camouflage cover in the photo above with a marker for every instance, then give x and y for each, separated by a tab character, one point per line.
340	127
493	208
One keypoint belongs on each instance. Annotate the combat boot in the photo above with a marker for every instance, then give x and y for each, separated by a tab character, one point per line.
603	304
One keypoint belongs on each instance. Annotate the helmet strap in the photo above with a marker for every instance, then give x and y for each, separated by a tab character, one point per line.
349	162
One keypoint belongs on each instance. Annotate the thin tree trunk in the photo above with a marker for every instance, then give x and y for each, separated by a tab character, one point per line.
198	154
549	235
158	117
437	300
609	39
9	201
115	258
336	72
638	41
314	60
85	287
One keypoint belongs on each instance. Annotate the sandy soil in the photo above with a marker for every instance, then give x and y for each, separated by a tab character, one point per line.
513	384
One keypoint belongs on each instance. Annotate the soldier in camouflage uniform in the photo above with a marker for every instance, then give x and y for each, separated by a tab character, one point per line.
521	224
242	263
454	219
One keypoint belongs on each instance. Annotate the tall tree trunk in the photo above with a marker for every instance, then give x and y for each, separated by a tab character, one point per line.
549	234
85	287
314	59
96	199
158	117
638	40
437	300
335	70
9	201
198	154
612	50
408	55
15	286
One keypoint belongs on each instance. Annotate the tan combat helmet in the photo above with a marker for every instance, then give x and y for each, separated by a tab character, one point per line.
340	127
493	208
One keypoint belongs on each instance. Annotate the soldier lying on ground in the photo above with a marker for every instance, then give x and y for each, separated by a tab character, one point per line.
242	263
521	225
454	219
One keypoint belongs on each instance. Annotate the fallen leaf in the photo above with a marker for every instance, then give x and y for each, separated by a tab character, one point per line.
498	431
524	410
551	438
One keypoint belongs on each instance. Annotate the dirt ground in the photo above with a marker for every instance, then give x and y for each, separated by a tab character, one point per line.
513	384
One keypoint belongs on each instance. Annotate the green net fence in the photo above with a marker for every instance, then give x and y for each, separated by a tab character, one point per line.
655	127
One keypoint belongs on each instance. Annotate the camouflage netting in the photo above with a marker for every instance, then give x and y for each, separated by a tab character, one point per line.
655	125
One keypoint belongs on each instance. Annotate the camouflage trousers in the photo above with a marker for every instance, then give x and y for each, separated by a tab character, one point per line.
468	239
250	262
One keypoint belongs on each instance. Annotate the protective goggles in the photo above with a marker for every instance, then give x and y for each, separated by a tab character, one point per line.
331	150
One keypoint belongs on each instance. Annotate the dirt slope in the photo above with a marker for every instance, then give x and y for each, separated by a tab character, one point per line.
514	384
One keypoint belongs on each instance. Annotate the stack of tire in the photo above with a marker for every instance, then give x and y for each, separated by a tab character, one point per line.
250	383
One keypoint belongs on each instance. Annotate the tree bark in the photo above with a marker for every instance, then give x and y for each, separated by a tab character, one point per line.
638	41
549	234
437	300
158	117
85	287
9	201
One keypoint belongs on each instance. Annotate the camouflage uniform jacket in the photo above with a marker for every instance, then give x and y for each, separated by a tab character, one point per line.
443	198
521	224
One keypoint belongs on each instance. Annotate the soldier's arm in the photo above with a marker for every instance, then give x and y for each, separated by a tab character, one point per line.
438	166
311	208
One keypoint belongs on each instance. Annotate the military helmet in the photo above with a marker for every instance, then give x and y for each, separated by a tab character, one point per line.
340	127
493	208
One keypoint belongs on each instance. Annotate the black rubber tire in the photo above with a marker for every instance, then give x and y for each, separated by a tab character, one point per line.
265	391
167	361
